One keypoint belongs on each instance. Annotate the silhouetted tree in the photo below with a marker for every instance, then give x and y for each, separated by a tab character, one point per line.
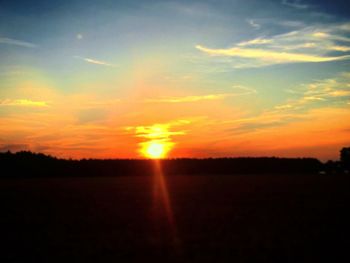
333	167
345	157
28	164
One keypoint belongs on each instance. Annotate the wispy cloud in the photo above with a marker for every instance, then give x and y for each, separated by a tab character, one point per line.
290	23
256	41
13	147
253	23
96	62
188	98
273	56
15	42
103	103
321	43
339	48
240	90
327	92
324	95
295	4
24	103
261	124
156	131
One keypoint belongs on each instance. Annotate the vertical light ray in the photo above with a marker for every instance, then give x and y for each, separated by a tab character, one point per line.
163	215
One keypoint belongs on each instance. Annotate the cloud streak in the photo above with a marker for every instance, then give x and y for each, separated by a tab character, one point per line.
295	4
327	92
95	61
15	42
189	98
24	103
273	56
256	41
253	24
323	96
323	43
208	97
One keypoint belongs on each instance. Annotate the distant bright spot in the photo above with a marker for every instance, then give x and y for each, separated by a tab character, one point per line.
320	34
79	36
156	140
155	150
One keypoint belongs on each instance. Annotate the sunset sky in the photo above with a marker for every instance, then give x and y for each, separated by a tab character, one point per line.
105	78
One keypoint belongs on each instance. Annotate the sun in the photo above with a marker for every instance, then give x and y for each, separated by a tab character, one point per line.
155	150
158	143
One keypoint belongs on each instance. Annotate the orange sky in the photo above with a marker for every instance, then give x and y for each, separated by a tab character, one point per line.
186	79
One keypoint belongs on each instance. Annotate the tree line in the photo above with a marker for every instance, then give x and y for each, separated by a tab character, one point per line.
29	164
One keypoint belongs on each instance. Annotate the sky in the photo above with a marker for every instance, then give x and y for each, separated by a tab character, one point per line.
116	79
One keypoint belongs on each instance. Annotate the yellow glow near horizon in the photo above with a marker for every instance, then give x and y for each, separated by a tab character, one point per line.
155	150
159	141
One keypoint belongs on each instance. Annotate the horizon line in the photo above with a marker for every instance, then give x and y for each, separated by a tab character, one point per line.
159	159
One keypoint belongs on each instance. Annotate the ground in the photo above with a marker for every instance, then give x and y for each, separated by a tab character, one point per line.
197	218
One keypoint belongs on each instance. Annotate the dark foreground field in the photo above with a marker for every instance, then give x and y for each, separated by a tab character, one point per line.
207	219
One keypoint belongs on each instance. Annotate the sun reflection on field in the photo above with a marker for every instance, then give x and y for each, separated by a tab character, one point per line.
163	214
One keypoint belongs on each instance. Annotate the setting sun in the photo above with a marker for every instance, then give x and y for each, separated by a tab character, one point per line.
155	150
158	140
174	130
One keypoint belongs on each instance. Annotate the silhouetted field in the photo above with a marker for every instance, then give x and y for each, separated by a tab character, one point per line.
29	165
264	218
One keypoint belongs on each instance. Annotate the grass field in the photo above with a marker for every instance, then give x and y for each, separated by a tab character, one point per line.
191	219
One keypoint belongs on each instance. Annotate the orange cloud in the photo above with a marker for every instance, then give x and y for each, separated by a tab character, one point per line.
189	98
24	103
